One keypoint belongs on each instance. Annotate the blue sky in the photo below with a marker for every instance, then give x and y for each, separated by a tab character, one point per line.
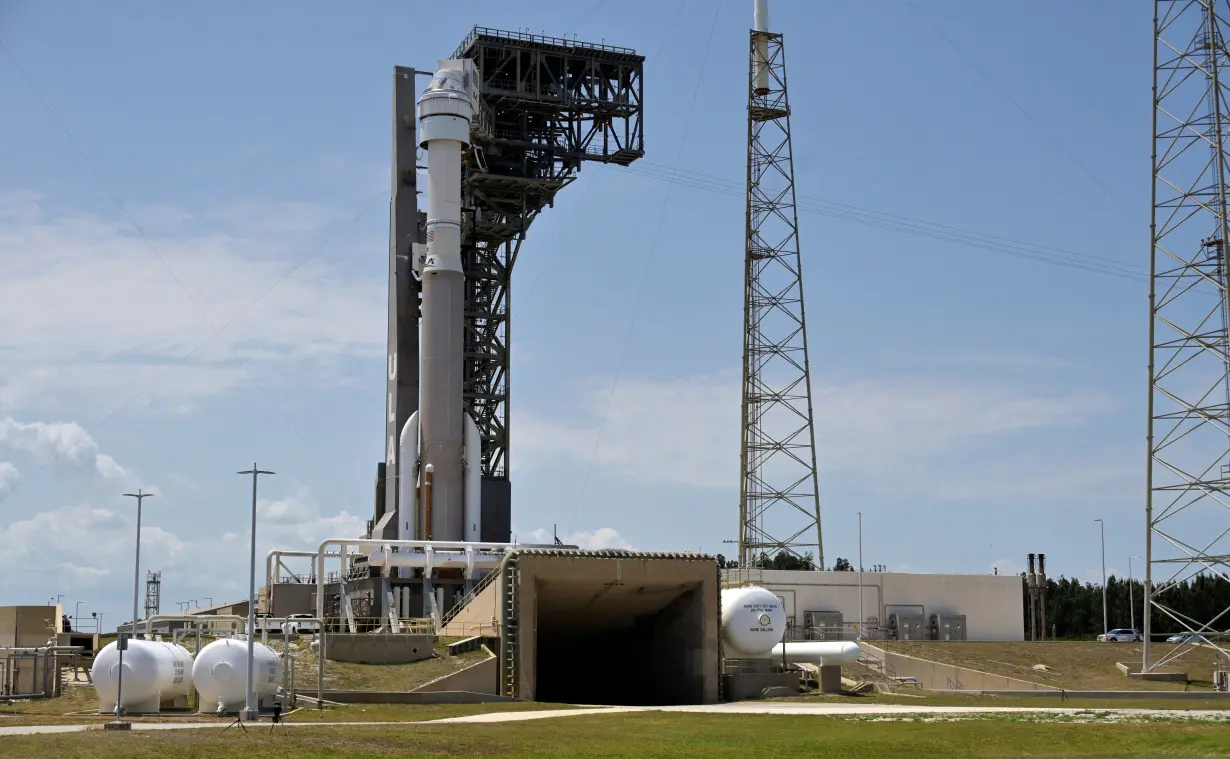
188	168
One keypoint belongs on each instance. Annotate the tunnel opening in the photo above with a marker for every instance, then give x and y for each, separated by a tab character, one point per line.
622	629
629	648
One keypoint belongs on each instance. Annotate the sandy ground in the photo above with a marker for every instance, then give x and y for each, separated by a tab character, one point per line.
820	709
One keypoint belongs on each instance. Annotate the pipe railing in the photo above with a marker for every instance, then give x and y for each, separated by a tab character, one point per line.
427	554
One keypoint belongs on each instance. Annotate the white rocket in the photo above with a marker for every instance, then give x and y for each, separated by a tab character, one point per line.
439	446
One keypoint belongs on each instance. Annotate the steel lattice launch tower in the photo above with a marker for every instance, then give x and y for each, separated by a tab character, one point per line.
779	501
1187	536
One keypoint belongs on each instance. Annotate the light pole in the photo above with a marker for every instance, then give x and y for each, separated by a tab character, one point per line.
250	711
120	643
136	574
77	616
860	576
1105	616
1131	591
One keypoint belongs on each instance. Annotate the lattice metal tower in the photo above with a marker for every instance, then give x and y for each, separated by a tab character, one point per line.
1187	508
779	500
153	593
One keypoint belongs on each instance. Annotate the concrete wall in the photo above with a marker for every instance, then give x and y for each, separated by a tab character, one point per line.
29	626
991	603
383	648
479	617
480	677
292	598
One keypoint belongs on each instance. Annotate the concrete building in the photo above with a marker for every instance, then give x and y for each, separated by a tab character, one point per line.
27	672
825	605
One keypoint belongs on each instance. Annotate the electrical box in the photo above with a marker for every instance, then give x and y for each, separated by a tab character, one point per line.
907	626
823	625
1221	680
947	627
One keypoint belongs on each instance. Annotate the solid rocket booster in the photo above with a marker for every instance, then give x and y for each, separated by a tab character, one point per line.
445	437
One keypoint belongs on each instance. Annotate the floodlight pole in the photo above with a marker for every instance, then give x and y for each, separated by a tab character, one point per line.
250	710
140	495
861	618
1131	592
1105	616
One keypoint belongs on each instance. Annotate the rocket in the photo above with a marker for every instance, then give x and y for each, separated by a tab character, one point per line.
439	446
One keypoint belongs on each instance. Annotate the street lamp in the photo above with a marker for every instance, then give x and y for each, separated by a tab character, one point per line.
861	618
250	711
1105	616
132	629
1131	591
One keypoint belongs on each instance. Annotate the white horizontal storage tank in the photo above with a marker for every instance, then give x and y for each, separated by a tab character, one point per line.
156	673
220	674
753	621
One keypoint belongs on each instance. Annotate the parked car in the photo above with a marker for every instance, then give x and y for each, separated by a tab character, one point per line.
295	626
1121	635
1187	638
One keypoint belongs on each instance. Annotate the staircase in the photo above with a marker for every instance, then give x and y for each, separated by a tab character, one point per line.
467	599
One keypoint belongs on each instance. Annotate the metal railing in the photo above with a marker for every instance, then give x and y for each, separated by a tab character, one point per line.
468	597
541	39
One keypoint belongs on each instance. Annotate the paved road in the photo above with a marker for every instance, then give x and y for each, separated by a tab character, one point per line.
747	707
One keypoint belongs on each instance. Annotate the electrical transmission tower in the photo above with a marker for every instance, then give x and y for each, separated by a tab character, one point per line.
1187	508
153	593
779	500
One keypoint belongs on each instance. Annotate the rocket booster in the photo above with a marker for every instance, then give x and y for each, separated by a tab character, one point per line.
441	434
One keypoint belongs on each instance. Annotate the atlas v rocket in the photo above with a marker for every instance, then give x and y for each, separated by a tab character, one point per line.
439	446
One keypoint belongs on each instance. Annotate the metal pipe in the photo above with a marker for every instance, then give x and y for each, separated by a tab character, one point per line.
234	619
343	543
428	476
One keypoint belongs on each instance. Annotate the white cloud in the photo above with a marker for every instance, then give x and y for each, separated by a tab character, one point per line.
891	432
9	477
87	306
203	562
62	442
603	537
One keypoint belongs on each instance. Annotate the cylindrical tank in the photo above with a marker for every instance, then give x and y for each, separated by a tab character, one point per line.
753	621
154	672
220	674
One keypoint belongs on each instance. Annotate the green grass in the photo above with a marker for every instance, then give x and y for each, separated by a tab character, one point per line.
929	698
655	735
377	677
1070	665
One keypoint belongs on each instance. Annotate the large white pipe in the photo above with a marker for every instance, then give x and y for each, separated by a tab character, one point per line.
761	24
408	482
444	111
825	652
473	502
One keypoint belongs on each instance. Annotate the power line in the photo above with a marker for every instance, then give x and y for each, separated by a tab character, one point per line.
649	259
905	224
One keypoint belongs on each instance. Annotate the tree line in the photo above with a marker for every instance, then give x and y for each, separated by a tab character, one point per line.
1074	609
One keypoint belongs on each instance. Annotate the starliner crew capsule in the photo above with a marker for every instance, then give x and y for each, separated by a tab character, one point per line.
439	445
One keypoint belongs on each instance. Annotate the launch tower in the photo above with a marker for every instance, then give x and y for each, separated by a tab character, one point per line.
779	500
543	107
